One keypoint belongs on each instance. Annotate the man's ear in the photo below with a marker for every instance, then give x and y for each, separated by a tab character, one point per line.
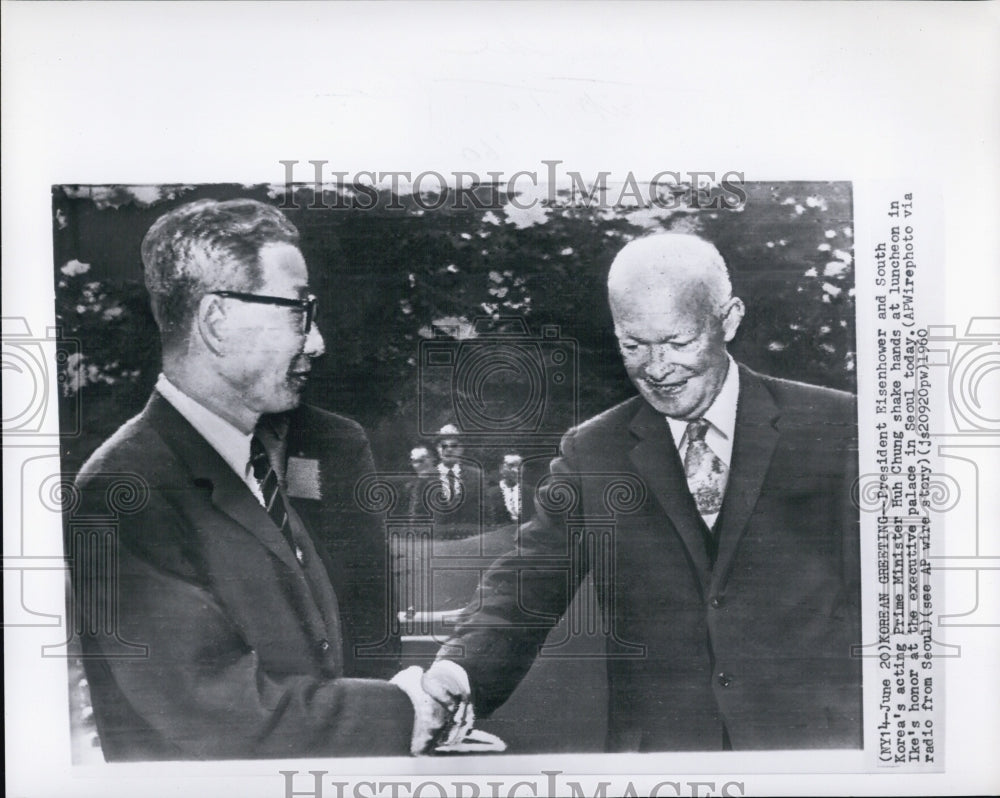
211	322
732	315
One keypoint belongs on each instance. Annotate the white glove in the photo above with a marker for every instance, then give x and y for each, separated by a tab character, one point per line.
435	722
448	684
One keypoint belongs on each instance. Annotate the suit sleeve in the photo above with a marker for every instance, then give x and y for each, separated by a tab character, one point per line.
523	594
201	690
357	560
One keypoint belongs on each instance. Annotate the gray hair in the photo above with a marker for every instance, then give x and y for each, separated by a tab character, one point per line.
206	246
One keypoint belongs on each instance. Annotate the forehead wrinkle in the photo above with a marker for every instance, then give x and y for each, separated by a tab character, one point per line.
644	283
662	314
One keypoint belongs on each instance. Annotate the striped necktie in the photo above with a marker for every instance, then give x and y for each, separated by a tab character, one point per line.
267	478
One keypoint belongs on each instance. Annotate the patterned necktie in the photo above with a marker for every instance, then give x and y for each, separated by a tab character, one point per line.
705	472
267	477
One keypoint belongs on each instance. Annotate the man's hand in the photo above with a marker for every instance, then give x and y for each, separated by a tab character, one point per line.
436	722
448	684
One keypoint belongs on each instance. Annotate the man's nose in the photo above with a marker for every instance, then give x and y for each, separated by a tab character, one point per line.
659	363
315	346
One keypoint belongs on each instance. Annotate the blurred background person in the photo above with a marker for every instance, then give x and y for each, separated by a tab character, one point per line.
509	500
424	464
461	479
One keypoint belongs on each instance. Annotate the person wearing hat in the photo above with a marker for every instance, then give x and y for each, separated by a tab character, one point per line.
461	478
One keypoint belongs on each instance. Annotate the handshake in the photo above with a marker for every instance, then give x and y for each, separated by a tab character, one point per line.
442	705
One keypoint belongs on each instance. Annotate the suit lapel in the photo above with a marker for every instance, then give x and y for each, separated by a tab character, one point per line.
276	428
656	458
229	493
244	509
753	446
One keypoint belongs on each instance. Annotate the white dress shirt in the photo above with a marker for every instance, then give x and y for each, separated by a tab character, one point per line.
511	499
444	470
721	417
231	444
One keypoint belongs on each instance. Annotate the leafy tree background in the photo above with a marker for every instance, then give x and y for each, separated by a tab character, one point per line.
389	279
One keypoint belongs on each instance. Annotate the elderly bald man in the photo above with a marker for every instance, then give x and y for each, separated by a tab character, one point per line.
729	579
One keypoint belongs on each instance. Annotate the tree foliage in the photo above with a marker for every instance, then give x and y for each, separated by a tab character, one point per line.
390	280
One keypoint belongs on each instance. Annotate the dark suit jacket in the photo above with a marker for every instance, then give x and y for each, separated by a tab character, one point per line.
464	516
757	644
496	508
247	652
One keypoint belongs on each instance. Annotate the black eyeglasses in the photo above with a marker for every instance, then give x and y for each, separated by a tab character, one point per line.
308	306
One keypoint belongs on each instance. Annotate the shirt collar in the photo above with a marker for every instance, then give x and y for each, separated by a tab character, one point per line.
721	414
231	444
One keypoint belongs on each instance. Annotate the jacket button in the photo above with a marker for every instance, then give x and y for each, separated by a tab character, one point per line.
716	602
324	645
725	680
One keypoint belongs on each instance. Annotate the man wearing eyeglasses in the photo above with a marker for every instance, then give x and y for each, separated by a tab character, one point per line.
249	580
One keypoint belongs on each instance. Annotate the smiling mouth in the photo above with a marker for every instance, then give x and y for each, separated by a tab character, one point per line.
674	384
666	388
